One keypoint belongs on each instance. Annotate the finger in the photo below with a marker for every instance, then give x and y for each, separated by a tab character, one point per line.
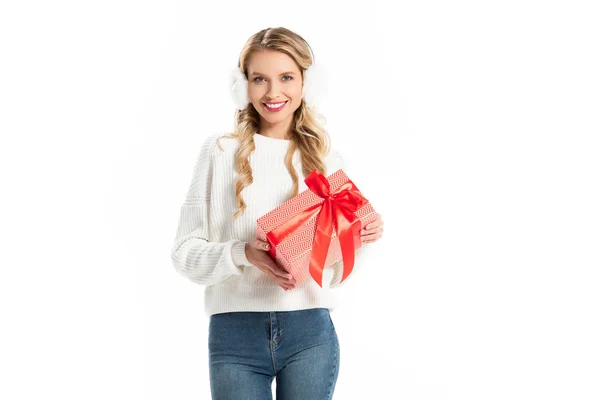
260	244
282	275
377	218
278	273
287	285
377	222
370	238
374	224
371	225
372	230
284	282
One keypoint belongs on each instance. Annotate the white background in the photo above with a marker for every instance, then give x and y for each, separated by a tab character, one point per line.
471	126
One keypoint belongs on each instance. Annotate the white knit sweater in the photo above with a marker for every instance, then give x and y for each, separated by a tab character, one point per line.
209	246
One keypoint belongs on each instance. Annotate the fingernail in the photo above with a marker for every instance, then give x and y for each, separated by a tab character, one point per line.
266	247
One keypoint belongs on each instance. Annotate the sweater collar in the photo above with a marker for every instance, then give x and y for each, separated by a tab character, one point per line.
268	143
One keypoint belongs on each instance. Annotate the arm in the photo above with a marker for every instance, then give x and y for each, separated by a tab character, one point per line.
193	254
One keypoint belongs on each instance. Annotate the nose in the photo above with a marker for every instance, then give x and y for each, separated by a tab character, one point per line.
273	90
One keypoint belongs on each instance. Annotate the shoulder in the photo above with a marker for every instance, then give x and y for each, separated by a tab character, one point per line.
334	161
218	144
226	144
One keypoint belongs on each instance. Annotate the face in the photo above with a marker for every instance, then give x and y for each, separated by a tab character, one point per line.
274	78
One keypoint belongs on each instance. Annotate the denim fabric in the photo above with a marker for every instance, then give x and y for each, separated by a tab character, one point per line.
247	350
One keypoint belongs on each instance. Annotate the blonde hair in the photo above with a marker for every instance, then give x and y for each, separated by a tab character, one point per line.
307	133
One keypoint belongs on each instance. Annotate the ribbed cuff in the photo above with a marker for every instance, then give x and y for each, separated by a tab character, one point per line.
238	254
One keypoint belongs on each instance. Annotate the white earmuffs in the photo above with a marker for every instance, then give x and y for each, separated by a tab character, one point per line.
313	90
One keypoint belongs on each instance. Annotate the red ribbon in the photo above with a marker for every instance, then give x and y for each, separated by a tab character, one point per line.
337	207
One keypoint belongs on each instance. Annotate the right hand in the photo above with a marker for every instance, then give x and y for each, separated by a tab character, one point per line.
257	254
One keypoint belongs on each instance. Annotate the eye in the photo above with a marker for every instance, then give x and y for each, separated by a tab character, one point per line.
285	80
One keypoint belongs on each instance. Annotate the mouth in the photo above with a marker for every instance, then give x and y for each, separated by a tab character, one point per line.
274	107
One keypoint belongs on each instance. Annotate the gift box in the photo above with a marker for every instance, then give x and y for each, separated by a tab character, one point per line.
318	227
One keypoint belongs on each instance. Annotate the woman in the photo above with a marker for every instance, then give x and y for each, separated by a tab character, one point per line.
262	325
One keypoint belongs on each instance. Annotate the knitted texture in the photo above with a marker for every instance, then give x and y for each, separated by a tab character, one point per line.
209	246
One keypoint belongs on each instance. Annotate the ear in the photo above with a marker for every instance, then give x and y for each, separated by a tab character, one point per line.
314	86
238	88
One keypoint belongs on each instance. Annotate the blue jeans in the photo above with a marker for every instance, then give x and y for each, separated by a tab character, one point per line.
248	349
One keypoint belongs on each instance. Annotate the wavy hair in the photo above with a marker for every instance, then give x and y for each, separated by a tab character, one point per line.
307	133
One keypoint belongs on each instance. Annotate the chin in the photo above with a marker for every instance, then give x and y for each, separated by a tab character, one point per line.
275	118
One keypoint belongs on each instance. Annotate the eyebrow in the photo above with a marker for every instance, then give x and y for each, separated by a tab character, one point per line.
283	73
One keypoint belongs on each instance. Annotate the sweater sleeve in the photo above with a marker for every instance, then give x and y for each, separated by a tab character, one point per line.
361	252
193	254
338	267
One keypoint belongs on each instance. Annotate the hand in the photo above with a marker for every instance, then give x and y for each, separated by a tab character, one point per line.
256	253
373	231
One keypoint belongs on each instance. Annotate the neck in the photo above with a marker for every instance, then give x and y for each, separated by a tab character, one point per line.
280	130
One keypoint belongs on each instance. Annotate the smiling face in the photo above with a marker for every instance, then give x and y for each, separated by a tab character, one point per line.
274	87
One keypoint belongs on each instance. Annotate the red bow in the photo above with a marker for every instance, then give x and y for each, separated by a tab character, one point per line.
338	206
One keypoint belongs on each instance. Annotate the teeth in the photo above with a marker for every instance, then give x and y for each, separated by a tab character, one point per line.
275	105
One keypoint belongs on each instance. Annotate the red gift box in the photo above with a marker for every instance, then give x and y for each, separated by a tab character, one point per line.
318	227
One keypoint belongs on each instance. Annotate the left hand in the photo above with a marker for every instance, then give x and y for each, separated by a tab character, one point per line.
372	231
